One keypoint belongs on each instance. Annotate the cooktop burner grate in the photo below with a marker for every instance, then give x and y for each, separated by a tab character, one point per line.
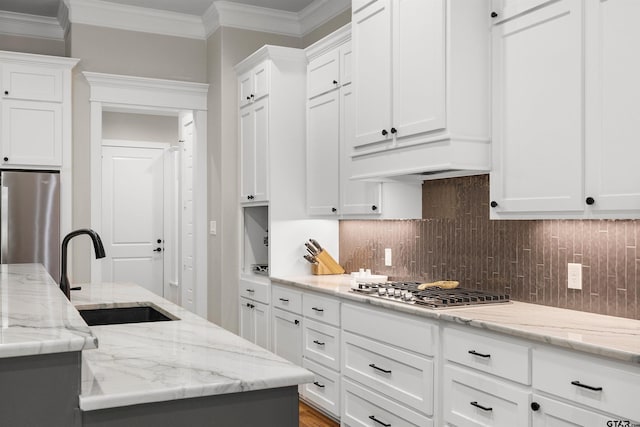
408	293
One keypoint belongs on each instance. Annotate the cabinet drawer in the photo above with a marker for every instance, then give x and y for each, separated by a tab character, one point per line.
412	333
553	413
473	399
599	384
362	407
401	375
32	83
323	73
320	308
256	291
322	343
324	391
506	9
286	299
488	354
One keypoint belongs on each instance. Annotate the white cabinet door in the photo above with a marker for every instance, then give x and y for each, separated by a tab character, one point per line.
31	133
323	156
613	175
287	335
323	73
254	84
245	88
261	315
551	413
418	66
346	62
538	130
254	137
356	197
247	323
32	82
372	76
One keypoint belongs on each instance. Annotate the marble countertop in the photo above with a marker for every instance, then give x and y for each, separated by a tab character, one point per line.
35	316
613	337
159	361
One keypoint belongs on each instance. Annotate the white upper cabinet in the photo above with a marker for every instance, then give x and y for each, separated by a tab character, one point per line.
35	110
421	88
565	102
330	133
271	89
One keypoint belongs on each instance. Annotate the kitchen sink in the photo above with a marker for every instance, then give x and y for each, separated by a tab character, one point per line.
120	315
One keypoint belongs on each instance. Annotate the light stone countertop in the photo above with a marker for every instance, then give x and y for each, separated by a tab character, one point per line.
35	316
159	361
612	337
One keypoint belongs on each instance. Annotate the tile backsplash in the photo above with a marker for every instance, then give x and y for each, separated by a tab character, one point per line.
526	259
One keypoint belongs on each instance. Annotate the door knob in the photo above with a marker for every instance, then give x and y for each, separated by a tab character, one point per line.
384	132
394	130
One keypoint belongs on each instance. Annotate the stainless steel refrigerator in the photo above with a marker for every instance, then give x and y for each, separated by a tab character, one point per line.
30	219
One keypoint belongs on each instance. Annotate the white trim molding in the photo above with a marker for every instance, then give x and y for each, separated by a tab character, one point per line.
134	18
20	24
320	12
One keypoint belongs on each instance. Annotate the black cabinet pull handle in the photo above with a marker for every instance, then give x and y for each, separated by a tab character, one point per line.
494	204
590	201
284	300
394	130
296	322
159	240
372	417
475	353
157	250
317	309
251	95
484	408
384	132
386	371
6	92
588	387
250	305
535	406
374	208
494	15
318	342
248	98
334	210
6	159
250	290
317	384
335	82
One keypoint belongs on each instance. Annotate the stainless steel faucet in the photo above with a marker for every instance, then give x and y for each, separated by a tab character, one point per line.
97	246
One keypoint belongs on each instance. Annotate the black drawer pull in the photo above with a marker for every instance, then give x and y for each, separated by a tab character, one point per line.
372	417
588	387
284	300
250	290
317	309
475	353
477	405
317	384
379	369
318	342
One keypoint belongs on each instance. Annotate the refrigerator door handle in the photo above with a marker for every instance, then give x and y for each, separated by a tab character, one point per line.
4	224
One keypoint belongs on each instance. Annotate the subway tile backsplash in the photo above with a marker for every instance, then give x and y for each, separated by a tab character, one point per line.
526	259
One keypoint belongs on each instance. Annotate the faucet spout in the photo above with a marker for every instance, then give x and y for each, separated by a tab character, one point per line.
97	246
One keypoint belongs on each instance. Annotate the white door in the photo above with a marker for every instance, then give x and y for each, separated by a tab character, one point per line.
612	153
538	129
132	203
371	26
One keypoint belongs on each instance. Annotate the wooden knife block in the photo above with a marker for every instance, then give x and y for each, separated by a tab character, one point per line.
326	265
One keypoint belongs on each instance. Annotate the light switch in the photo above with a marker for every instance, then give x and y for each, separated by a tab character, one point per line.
574	276
387	257
212	228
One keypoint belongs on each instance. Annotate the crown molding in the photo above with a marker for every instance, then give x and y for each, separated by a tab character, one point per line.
247	17
133	18
329	42
20	24
320	12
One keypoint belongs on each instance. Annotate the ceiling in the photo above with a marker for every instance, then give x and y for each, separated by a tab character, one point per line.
190	7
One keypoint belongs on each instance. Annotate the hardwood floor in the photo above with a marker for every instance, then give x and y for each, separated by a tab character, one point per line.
309	417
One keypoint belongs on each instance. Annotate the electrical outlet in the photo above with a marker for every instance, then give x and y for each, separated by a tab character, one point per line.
574	276
212	228
387	257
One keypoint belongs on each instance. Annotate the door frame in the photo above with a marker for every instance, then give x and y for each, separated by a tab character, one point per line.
110	92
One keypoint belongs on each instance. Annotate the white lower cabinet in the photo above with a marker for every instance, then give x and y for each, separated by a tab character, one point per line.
552	413
475	399
324	391
254	322
322	343
287	335
363	407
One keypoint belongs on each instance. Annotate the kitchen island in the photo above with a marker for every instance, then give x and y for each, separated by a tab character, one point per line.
186	371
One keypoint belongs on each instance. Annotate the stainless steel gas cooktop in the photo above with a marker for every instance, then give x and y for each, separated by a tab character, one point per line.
408	293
